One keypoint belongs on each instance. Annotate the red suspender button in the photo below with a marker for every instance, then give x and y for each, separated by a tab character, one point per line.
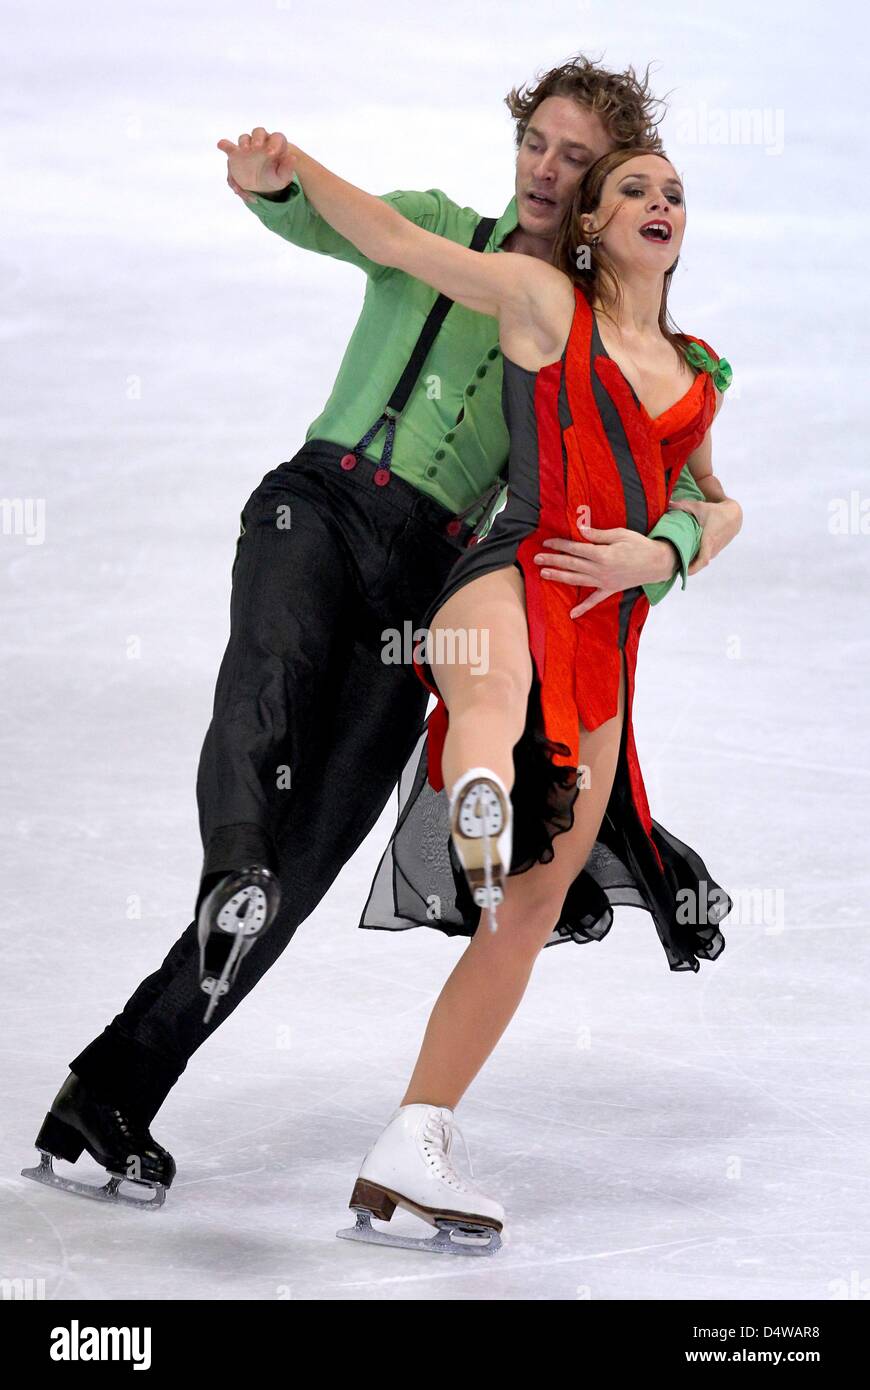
452	527
348	461
382	476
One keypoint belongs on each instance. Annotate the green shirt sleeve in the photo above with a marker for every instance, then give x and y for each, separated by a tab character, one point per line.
684	533
290	215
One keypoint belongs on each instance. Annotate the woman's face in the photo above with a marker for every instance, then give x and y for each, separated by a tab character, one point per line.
642	216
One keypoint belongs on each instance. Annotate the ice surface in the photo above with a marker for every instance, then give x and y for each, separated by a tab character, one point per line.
651	1135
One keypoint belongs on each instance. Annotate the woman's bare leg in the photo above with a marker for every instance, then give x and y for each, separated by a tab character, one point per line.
486	699
490	978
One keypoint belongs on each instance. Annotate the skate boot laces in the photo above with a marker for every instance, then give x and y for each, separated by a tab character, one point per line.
437	1141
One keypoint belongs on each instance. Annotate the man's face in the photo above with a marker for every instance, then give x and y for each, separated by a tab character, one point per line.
561	141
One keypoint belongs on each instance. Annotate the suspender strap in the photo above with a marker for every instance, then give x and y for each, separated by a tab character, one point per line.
429	331
399	399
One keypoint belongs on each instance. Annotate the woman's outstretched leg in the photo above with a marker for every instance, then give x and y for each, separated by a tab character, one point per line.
483	668
490	978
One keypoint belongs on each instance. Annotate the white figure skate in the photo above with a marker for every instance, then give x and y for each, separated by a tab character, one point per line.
481	828
410	1166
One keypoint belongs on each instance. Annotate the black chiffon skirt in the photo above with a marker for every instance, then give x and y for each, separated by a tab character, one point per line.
420	882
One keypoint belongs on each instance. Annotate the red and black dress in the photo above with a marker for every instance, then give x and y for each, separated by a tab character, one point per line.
579	438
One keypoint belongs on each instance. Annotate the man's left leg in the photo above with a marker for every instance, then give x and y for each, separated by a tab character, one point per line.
348	767
340	790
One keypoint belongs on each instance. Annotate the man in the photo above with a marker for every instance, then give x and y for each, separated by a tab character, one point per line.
351	538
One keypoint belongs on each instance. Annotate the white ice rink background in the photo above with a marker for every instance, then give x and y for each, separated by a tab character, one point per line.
652	1135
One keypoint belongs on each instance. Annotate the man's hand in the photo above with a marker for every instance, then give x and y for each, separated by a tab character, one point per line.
607	561
242	192
720	522
259	163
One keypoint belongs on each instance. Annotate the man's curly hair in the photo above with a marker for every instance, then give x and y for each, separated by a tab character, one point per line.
622	101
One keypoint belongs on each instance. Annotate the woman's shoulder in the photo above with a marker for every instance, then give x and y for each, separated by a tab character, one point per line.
702	342
700	355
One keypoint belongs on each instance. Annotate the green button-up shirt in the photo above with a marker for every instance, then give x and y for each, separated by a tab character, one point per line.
452	440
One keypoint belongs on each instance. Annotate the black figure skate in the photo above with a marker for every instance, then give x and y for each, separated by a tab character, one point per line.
79	1120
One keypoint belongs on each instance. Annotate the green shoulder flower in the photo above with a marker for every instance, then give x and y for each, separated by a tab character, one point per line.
700	358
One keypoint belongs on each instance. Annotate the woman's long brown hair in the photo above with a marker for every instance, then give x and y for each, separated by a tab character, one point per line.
600	282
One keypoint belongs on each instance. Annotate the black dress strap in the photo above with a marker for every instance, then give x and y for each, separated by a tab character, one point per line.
399	398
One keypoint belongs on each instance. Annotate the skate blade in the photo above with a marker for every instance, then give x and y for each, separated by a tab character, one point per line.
480	859
220	987
488	896
490	893
487	882
451	1237
241	930
111	1192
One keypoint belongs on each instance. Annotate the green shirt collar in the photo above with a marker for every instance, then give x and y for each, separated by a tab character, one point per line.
507	223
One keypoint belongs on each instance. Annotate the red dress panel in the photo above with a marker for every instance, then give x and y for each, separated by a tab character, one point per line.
577	659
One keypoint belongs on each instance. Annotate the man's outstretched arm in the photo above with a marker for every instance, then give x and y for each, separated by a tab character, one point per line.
275	195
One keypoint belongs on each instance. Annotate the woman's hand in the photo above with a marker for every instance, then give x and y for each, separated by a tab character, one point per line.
720	523
259	163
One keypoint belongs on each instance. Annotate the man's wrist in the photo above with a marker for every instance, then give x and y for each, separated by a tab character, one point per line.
668	562
281	196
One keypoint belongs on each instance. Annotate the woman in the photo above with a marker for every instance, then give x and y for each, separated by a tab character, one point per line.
605	404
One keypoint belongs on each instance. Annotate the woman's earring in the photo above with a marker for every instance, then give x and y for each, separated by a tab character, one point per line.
595	240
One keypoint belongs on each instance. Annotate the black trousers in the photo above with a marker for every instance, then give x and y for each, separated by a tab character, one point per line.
310	731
